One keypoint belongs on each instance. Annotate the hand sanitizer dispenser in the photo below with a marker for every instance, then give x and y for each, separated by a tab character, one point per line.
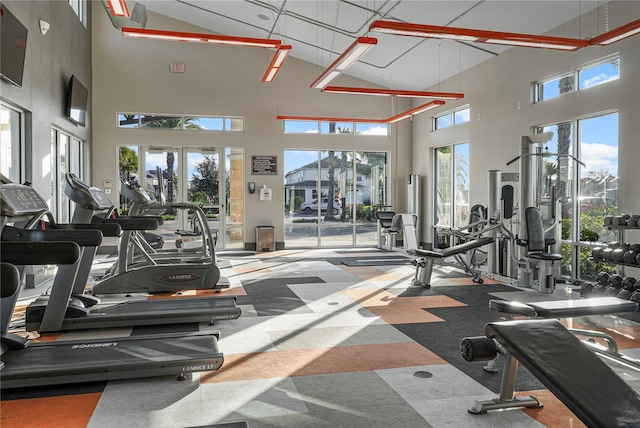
265	193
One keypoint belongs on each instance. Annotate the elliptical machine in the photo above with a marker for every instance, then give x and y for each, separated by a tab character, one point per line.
139	267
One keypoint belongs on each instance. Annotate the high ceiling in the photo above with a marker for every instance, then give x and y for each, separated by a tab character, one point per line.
320	31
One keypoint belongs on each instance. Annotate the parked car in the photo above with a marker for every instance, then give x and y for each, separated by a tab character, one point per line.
310	207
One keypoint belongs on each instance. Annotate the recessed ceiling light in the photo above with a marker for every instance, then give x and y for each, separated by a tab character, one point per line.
263	17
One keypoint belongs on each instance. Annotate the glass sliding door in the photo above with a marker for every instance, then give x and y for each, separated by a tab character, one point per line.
330	197
160	176
368	194
212	178
215	181
301	190
336	229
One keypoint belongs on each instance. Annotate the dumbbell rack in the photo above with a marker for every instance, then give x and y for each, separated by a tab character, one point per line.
621	232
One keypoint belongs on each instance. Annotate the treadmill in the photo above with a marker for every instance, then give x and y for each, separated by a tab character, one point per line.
28	364
62	310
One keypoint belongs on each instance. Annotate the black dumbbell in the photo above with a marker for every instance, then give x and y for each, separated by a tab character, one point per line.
596	253
620	220
585	289
628	287
629	257
602	282
617	255
613	285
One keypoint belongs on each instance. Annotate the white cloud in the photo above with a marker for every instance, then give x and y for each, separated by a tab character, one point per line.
375	130
599	157
597	80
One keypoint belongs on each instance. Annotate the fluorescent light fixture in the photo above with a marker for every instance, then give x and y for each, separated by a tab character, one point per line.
118	8
392	92
330	119
276	63
617	34
199	38
480	36
344	61
529	44
413	112
416	111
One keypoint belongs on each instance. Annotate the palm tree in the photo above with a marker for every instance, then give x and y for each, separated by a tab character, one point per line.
564	143
170	123
128	160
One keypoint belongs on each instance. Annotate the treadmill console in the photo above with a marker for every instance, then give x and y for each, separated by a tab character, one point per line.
19	200
92	198
135	194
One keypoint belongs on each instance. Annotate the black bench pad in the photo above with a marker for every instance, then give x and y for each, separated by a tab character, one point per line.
456	249
574	374
566	308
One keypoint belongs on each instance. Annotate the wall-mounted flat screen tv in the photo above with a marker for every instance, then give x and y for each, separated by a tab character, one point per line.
77	97
13	47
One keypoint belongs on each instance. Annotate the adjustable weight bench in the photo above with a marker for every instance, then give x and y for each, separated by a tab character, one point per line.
574	308
581	380
424	265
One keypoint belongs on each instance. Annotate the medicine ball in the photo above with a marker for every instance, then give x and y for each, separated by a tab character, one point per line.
632	222
635	248
638	259
635	297
608	220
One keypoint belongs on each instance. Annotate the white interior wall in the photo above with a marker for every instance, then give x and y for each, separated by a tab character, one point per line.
499	93
132	75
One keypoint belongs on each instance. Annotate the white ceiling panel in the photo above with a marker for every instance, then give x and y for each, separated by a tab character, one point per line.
320	31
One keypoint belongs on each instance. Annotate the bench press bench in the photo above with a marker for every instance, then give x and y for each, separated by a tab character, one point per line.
574	308
556	357
424	265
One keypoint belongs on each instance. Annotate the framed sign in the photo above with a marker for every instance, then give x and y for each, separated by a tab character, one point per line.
264	165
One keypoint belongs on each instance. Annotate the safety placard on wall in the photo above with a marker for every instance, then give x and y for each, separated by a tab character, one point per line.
264	165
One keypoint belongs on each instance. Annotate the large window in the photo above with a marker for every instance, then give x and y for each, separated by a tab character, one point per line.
588	189
331	197
321	127
11	143
192	123
80	9
454	117
593	74
451	188
67	155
